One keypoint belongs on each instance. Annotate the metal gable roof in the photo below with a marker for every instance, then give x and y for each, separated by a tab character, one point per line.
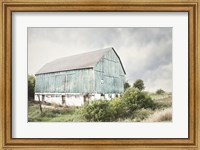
80	61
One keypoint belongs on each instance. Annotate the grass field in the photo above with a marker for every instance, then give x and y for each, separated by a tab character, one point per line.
55	113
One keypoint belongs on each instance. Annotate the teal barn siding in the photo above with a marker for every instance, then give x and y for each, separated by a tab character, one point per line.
73	81
95	72
109	74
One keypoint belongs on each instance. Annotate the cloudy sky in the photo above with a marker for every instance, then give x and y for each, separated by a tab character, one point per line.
146	53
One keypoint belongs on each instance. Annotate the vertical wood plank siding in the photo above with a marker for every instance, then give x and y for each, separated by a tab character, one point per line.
74	81
109	75
106	77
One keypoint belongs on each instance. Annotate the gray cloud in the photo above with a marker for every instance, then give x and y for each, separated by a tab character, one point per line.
146	53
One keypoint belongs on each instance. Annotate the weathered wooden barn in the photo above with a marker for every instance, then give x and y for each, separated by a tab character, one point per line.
75	79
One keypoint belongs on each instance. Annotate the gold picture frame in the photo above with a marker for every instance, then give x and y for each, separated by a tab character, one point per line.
9	6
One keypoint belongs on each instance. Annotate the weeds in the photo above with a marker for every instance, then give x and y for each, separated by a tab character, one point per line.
160	116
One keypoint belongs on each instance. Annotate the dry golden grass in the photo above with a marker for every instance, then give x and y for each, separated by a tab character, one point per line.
160	116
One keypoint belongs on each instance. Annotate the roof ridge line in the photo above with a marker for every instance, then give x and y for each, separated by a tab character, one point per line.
86	59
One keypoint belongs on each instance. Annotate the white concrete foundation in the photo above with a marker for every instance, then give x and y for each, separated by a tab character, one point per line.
108	96
74	100
70	99
97	96
57	99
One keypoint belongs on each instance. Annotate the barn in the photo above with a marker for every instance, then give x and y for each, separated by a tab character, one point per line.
76	79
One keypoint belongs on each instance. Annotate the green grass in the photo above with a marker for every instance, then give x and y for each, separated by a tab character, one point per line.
155	96
142	114
164	103
74	114
58	114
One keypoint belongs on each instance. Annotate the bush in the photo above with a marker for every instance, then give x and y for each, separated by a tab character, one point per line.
117	107
98	110
160	91
129	98
145	101
135	99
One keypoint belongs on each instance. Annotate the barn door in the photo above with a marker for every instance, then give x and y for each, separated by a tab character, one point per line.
69	86
60	83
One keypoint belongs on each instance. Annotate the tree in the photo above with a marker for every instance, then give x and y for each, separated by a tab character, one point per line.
126	85
139	84
160	91
31	86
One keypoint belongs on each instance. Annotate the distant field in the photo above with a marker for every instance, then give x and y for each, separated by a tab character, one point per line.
55	113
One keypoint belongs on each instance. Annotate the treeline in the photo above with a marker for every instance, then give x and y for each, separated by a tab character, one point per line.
139	84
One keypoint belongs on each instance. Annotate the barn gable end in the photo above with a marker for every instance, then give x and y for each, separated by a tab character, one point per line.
109	74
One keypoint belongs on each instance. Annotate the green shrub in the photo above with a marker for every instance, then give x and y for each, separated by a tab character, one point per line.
160	91
135	99
145	101
117	107
98	110
129	98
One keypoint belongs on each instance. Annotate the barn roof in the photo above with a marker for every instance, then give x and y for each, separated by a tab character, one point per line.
79	61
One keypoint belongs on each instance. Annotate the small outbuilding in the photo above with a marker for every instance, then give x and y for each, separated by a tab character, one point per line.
79	78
